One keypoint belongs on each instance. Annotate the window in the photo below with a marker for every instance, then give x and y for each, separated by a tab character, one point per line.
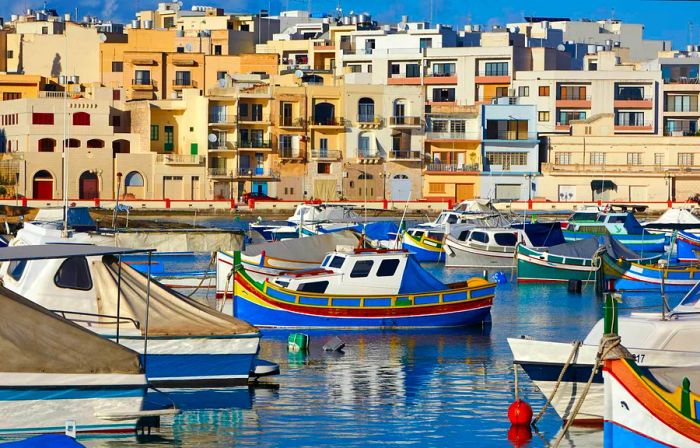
506	239
501	92
444	69
565	117
155	131
439	125
629	119
458	126
217	49
506	159
658	158
597	158
81	119
681	103
74	273
16	268
496	69
562	158
10	54
142	77
464	235
572	93
116	95
313	287
180	49
361	268
323	168
6	96
117	66
480	237
629	93
243	109
425	42
44	30
285	142
436	188
387	268
183	78
544	91
524	91
443	95
507	129
256	112
169	138
412	71
337	262
220	75
634	158
365	110
543	115
116	120
394	69
685	159
42	118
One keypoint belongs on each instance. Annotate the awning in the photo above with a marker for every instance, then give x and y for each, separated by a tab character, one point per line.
59	250
600	185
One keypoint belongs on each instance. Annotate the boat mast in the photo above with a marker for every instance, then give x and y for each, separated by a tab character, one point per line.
64	230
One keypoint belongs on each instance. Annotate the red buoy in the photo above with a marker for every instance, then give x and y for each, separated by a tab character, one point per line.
519	435
520	413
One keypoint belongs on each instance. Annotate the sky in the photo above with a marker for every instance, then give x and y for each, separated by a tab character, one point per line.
677	20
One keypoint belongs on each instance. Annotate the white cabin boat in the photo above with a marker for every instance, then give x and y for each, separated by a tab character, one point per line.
656	342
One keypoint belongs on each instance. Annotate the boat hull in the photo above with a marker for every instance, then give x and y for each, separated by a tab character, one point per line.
536	267
460	255
268	306
688	247
631	276
43	403
639	243
425	251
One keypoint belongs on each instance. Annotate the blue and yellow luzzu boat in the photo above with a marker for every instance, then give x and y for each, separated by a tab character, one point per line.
425	244
362	288
623	227
632	276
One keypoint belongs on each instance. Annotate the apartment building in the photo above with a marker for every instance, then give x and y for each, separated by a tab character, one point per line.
290	137
510	151
605	87
597	163
13	86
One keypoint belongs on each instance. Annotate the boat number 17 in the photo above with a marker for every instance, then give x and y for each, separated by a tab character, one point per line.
638	358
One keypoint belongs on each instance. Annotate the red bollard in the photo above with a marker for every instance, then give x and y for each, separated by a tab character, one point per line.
167	202
97	202
24	202
233	203
450	203
529	204
670	203
385	203
251	204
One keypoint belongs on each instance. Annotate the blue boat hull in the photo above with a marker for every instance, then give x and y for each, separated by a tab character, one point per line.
187	399
262	316
198	369
424	255
616	436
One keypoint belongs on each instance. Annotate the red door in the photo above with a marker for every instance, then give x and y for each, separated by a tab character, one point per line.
43	188
88	188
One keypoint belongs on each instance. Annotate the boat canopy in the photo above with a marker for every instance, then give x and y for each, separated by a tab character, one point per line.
675	218
79	218
586	248
417	280
312	248
476	206
57	250
34	339
378	230
543	234
170	314
633	226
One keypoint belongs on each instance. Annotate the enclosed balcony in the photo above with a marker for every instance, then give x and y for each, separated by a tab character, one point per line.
573	96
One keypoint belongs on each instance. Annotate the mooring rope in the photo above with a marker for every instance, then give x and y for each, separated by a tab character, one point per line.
204	277
577	345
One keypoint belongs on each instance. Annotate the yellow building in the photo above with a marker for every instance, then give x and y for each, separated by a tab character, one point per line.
14	87
290	132
218	67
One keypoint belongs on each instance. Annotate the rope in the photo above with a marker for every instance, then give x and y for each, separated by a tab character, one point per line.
229	276
204	277
607	343
577	345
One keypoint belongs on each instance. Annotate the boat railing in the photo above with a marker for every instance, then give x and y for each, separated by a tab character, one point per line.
82	318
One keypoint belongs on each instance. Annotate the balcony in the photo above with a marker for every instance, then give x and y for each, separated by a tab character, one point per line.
634	103
691	109
290	154
289	122
573	100
452	136
257	145
221	146
402	79
222	120
512	136
369	155
256	173
440	78
143	84
404	122
492	79
180	159
256	91
325	154
618	168
405	155
332	122
365	121
645	126
179	84
682	80
452	168
250	120
563	126
324	45
220	172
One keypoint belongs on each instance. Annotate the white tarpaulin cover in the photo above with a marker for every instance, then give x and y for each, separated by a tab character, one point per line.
181	240
311	249
676	216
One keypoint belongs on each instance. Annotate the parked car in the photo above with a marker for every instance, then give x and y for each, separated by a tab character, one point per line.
257	197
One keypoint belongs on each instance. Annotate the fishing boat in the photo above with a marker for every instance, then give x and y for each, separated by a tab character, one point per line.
647	410
656	340
308	219
630	275
361	288
55	371
571	261
687	247
674	219
191	345
495	247
623	227
425	244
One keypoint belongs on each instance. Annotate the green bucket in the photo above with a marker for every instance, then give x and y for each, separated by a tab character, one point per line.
298	342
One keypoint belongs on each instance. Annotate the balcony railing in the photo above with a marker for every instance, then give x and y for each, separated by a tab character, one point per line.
404	121
221	146
143	82
369	119
632	98
184	83
368	154
254	144
262	90
220	172
682	80
325	154
573	96
643	124
452	167
331	121
586	167
289	122
254	119
404	75
180	159
289	153
672	107
680	133
223	119
514	136
404	155
432	135
252	173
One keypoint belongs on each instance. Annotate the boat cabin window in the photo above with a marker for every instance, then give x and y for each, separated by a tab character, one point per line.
584	216
437	236
387	268
16	268
361	268
418	233
337	262
317	287
506	239
464	235
282	283
481	237
74	273
325	260
612	219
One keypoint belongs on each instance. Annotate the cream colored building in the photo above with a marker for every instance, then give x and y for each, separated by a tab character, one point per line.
597	163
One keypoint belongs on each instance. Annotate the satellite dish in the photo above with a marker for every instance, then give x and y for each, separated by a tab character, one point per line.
561	47
222	82
102	37
188	47
212	138
299	74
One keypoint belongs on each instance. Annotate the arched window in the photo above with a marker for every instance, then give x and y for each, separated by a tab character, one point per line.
365	110
133	179
324	114
400	176
121	147
81	119
71	143
47	145
312	79
364	176
95	143
89	187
